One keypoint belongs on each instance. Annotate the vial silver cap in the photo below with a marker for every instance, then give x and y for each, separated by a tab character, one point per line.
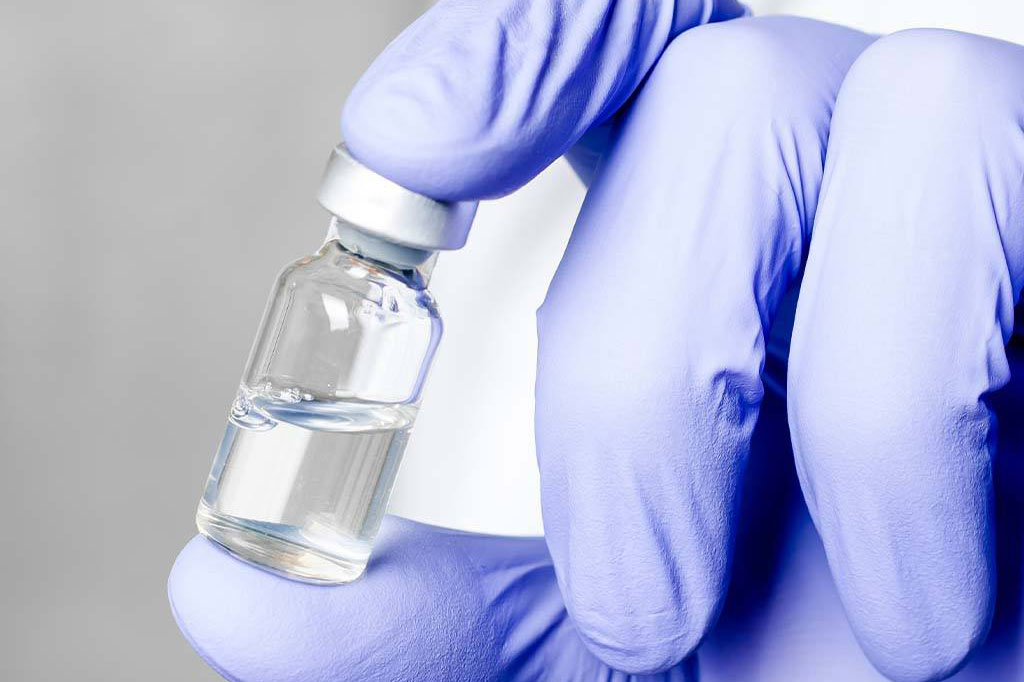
386	210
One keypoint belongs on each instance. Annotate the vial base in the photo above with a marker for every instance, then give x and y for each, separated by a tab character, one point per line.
275	554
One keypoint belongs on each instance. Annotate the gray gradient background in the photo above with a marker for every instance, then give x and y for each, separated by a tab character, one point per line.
158	163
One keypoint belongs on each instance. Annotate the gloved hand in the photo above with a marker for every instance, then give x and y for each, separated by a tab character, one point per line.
703	195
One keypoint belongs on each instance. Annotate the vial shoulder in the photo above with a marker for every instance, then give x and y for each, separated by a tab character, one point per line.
340	328
338	273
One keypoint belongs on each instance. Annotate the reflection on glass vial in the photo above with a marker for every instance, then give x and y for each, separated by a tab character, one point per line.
315	436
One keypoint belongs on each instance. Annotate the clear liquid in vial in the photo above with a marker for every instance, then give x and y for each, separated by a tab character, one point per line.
300	486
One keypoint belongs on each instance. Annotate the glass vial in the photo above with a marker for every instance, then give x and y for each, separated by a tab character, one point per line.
314	438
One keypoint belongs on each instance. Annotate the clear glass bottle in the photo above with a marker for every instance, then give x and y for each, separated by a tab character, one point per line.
314	439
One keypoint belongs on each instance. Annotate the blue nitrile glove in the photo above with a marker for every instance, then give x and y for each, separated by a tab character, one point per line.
652	343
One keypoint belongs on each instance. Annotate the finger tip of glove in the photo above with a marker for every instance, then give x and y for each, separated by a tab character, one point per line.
919	666
645	636
249	624
421	118
412	134
634	651
927	652
182	582
245	623
188	590
388	140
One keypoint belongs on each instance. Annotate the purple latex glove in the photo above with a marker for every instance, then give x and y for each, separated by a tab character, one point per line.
652	344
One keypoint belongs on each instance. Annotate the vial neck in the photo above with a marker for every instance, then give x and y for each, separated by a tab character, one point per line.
395	256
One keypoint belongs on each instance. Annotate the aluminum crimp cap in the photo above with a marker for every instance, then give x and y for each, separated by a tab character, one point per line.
386	210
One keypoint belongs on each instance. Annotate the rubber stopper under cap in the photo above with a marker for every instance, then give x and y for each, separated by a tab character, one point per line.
388	211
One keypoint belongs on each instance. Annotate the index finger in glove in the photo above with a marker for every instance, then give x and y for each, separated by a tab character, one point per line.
475	98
